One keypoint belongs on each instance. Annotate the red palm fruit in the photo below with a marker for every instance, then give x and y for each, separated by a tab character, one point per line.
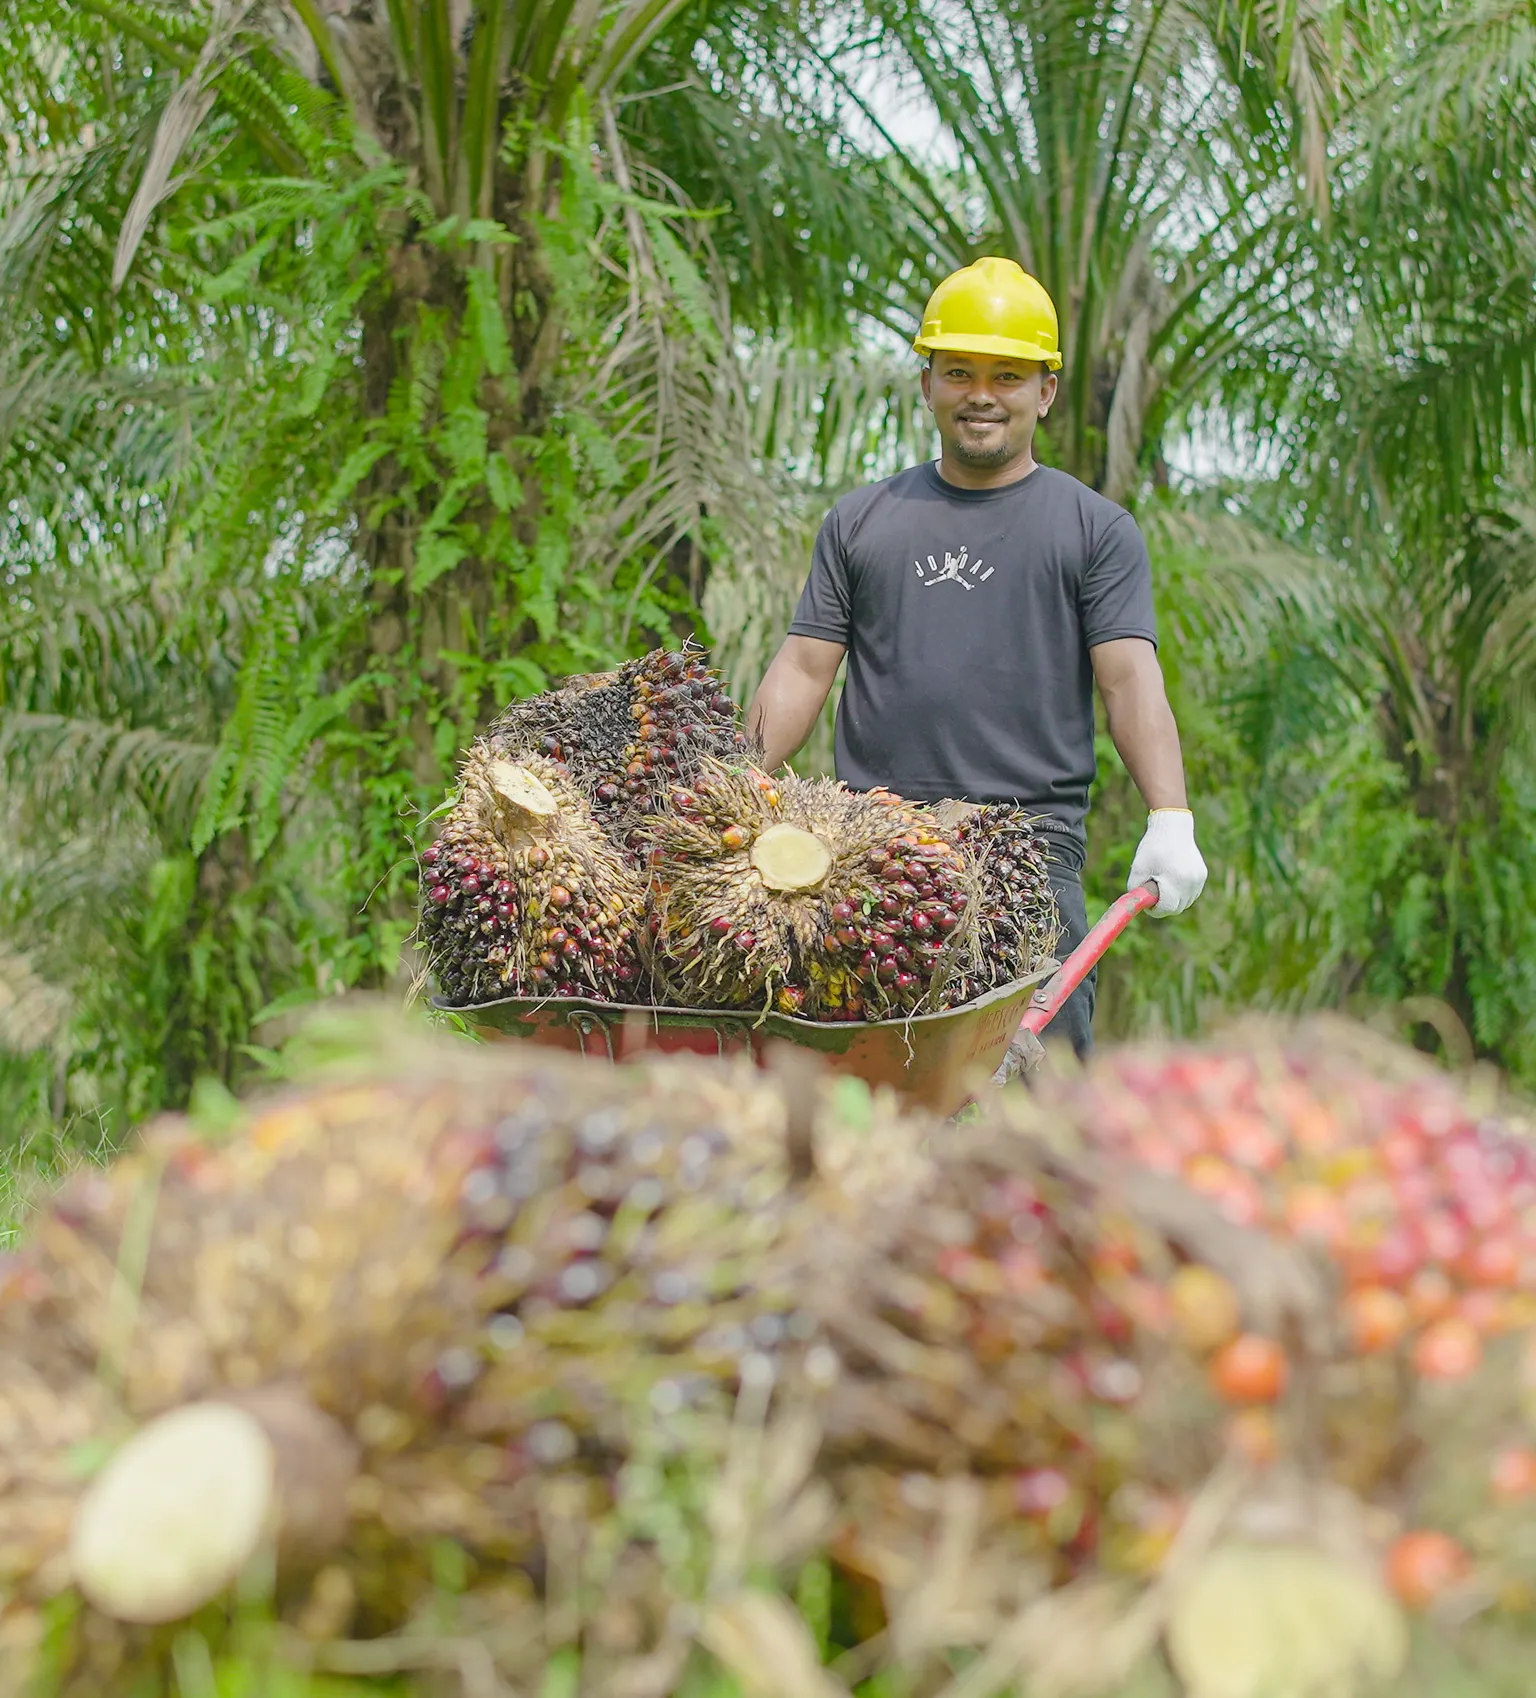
1512	1473
1430	1296
1445	1239
1484	1207
1486	1311
1448	1349
1393	1259
1493	1261
1233	1191
1249	1141
1250	1369
1314	1212
1416	1192
1422	1565
1158	1154
1314	1127
1189	1130
1402	1149
1377	1318
1023	1269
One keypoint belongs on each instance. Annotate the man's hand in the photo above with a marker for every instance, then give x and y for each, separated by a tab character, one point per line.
1142	727
1167	857
791	696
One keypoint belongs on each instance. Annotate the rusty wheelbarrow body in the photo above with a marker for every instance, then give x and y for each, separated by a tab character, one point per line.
934	1060
931	1059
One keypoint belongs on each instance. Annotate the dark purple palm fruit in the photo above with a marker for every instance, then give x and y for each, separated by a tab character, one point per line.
1017	922
681	714
523	894
584	724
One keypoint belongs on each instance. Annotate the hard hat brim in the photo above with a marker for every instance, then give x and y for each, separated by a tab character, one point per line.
1000	347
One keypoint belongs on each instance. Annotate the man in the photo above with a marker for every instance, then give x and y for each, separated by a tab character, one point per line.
978	601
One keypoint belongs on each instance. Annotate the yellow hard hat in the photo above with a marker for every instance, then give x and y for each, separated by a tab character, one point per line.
991	307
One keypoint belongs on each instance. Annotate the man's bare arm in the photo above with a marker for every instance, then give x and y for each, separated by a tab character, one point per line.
791	696
1141	723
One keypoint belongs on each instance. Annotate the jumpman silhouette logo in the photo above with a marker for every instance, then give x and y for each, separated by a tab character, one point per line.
957	569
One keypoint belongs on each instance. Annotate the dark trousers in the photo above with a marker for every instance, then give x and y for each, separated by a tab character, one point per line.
1075	1022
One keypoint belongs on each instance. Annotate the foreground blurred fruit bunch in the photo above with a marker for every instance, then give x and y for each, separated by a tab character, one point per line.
481	1296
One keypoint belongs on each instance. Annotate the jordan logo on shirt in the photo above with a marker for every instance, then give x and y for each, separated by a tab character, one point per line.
957	569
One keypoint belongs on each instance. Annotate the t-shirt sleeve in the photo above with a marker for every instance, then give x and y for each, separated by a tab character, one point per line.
1115	599
825	603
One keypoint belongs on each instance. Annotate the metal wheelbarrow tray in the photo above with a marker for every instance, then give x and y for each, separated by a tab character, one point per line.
935	1060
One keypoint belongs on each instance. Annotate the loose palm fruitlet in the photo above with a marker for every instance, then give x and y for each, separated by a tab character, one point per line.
625	735
1018	925
802	896
523	894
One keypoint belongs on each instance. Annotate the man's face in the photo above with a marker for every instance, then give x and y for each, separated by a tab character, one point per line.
986	407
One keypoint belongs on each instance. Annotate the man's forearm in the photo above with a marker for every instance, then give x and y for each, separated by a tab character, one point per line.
791	696
1143	730
780	719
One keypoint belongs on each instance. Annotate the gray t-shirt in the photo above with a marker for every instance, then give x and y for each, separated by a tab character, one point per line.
968	616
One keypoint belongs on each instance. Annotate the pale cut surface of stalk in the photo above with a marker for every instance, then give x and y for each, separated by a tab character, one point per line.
176	1514
787	858
521	790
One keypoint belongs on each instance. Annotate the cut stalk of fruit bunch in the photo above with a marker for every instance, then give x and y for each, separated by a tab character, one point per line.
787	858
186	1505
804	896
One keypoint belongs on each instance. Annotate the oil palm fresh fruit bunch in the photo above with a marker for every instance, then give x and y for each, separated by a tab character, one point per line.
523	894
390	1307
625	735
802	896
1414	1194
1017	922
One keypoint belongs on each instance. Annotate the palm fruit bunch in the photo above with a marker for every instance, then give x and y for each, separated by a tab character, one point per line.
627	734
1018	925
683	716
523	894
399	1305
804	897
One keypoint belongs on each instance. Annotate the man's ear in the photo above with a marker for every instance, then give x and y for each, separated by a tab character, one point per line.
1048	385
927	381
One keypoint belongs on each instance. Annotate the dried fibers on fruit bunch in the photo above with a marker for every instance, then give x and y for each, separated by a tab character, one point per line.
1017	922
804	897
625	735
523	894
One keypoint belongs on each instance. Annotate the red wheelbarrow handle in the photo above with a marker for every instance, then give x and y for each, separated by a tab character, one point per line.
1047	1002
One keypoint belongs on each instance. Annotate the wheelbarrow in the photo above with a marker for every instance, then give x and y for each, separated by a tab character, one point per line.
933	1060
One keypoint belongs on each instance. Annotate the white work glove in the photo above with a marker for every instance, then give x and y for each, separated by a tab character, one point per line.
1168	857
